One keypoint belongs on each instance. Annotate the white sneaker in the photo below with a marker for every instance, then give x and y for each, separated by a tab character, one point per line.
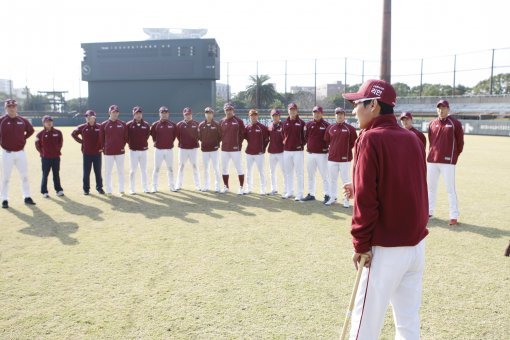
224	190
298	198
60	193
203	189
177	188
286	195
173	189
132	193
346	203
273	192
246	192
46	195
240	191
330	201
121	194
217	190
263	193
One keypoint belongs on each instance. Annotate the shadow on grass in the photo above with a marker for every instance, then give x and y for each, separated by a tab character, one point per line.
462	227
76	208
43	225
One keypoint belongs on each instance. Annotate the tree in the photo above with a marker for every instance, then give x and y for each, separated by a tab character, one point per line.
77	105
304	100
260	94
403	90
500	85
239	100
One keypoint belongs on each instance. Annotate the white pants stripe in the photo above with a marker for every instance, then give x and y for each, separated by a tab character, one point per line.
138	158
235	157
191	156
211	158
275	159
16	159
161	155
109	161
317	161
259	162
293	162
335	169
434	170
394	277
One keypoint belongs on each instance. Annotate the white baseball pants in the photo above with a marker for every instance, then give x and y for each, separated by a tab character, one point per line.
293	161
394	277
275	159
19	160
109	161
191	156
335	169
138	158
434	170
235	157
211	158
161	155
259	161
320	161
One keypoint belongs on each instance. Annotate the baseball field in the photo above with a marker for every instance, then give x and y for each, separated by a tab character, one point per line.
192	265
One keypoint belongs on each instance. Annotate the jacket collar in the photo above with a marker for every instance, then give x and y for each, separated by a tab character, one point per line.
387	120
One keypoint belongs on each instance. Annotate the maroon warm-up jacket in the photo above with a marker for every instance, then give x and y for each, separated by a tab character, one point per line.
314	136
90	138
114	135
49	143
420	135
232	134
14	132
187	134
138	135
293	134
341	139
163	134
390	187
446	140
275	138
209	135
257	137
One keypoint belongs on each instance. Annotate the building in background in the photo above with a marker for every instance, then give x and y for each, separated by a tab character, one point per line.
330	90
6	86
223	91
297	89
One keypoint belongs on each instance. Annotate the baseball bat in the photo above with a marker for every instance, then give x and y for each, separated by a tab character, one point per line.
353	297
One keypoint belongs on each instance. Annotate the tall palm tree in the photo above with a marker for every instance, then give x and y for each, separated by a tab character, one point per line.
259	93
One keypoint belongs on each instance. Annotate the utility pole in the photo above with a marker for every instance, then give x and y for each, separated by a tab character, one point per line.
386	42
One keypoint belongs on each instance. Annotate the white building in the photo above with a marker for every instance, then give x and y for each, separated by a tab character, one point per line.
222	90
330	90
297	89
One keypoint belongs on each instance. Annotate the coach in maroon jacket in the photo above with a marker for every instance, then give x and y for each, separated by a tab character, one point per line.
88	136
293	155
406	118
187	135
138	134
257	136
446	142
163	134
389	216
209	134
275	148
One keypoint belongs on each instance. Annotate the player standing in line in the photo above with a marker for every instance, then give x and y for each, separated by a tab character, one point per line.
14	132
341	137
389	216
446	142
275	148
138	135
187	135
49	142
209	133
317	153
163	134
232	135
293	155
257	136
91	148
406	118
114	135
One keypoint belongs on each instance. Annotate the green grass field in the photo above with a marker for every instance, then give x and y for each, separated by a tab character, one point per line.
191	265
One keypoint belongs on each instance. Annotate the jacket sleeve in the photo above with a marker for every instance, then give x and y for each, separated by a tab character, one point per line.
366	205
242	132
102	135
353	137
306	133
431	136
152	132
303	134
38	143
60	141
29	129
265	131
76	135
327	137
126	131
459	137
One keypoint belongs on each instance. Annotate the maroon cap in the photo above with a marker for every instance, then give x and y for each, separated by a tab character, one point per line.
275	112
113	108
90	113
339	110
47	118
406	115
228	106
292	106
253	112
208	110
443	102
186	111
374	89
163	109
318	109
137	109
10	102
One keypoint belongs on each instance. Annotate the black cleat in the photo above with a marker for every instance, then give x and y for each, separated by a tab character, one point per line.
326	199
5	204
101	191
308	198
86	193
29	201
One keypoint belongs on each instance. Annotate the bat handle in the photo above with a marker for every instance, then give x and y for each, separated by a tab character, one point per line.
348	315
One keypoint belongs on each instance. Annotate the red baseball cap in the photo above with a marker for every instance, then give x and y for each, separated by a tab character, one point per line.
374	89
10	102
318	109
113	108
275	112
339	110
292	106
90	113
186	111
47	118
443	102
228	106
137	109
253	112
406	115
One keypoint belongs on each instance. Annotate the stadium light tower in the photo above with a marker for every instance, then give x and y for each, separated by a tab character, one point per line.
386	43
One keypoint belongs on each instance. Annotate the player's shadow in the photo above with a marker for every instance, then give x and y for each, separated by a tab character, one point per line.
76	208
462	227
41	224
